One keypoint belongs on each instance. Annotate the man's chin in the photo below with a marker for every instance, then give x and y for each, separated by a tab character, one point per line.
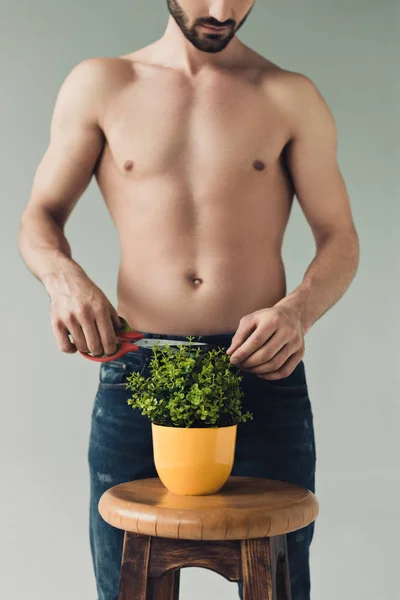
210	48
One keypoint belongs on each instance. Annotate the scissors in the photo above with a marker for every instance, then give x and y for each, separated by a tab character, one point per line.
129	340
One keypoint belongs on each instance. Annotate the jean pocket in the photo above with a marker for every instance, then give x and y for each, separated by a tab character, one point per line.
294	385
114	373
262	396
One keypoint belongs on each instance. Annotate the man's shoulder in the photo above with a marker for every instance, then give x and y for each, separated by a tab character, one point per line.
284	81
276	78
297	98
103	69
89	85
292	91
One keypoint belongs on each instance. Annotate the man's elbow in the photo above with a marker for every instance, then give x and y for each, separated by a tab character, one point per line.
345	233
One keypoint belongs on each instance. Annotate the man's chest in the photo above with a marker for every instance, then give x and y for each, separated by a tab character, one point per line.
219	126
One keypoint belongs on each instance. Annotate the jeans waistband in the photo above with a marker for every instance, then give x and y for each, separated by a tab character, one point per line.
220	339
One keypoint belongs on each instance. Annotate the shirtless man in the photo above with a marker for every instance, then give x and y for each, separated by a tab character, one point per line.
198	145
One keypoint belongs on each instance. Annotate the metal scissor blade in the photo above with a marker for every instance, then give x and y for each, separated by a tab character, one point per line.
149	343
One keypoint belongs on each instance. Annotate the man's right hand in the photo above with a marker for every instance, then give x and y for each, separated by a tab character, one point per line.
80	308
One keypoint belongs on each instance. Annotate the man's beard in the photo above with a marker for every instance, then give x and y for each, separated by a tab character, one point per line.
211	42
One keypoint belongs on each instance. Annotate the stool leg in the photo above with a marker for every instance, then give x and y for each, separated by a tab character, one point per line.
282	568
265	569
134	567
257	570
165	587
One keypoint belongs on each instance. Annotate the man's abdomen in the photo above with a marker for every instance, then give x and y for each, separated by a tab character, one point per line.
176	295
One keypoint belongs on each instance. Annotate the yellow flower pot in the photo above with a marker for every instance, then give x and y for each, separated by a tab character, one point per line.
193	461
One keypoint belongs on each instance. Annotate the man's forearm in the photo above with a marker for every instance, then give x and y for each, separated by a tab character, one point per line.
326	279
44	247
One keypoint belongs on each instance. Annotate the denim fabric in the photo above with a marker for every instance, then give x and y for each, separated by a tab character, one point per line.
277	444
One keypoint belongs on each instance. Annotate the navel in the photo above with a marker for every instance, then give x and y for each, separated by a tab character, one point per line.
128	166
194	279
259	165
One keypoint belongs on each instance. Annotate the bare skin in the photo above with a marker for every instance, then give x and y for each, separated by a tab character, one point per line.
198	167
205	202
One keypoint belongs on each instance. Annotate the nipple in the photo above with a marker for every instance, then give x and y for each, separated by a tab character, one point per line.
128	166
259	165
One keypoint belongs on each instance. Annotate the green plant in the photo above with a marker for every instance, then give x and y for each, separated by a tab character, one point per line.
189	388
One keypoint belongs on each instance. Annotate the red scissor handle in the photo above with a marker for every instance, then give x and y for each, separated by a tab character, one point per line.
125	343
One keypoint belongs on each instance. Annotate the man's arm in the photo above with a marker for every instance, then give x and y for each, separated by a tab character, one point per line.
312	160
63	174
270	342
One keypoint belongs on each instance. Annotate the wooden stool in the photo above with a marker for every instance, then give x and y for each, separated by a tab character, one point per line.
240	533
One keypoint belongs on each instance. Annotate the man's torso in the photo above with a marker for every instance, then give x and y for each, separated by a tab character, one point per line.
194	177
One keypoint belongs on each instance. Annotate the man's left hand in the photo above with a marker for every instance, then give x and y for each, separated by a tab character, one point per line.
268	342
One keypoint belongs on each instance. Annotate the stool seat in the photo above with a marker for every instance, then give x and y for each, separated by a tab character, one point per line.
245	508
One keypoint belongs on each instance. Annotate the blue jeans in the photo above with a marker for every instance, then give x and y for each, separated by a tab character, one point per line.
277	444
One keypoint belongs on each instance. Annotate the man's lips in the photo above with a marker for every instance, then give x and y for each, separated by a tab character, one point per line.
220	29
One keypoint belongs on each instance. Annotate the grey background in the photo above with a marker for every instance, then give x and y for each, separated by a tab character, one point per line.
350	51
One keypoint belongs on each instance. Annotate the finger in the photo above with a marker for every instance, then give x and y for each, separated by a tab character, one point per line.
106	330
268	351
243	331
116	321
271	365
78	336
286	369
248	344
63	341
92	336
